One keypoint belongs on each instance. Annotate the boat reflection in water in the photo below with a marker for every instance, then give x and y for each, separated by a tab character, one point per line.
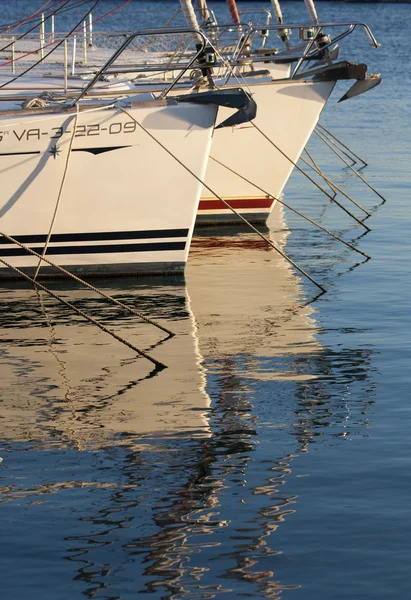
247	299
172	483
82	387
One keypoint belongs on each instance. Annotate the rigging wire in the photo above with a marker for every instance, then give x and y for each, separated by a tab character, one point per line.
295	211
46	18
239	215
48	12
56	46
23	35
80	312
59	42
15	24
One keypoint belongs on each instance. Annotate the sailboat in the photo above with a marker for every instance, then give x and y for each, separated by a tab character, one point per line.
79	181
250	164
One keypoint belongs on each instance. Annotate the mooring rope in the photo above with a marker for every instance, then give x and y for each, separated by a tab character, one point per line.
269	242
311	179
242	82
42	257
23	35
283	33
297	212
277	10
85	315
86	284
11	26
321	136
337	142
314	162
333	185
58	41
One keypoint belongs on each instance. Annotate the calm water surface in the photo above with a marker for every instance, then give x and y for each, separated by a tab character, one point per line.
272	459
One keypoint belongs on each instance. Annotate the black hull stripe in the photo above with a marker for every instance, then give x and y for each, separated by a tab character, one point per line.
107	249
98	236
18	153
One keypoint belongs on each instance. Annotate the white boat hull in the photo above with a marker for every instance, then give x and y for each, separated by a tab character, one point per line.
126	206
287	113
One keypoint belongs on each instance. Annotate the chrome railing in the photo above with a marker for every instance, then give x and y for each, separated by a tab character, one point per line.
202	44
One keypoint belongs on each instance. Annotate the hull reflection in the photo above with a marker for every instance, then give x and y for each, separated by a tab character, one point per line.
78	387
182	484
247	300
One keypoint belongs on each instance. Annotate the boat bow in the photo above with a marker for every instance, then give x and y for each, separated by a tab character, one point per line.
229	98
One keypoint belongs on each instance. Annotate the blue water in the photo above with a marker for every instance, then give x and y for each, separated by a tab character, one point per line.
272	458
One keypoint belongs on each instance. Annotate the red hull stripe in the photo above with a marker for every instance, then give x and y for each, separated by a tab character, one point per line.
236	203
